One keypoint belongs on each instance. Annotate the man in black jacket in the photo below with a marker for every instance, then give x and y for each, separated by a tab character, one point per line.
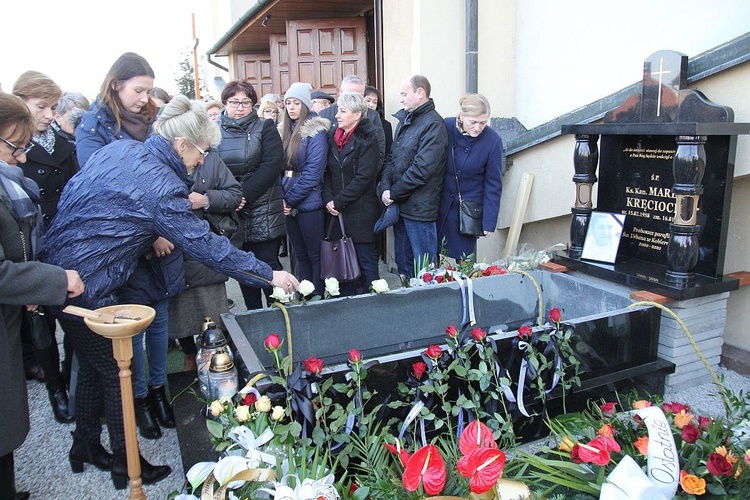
413	176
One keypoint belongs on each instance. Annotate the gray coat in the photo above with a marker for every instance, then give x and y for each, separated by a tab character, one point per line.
21	283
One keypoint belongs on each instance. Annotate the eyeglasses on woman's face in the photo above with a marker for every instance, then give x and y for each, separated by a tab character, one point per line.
270	112
245	103
17	151
202	151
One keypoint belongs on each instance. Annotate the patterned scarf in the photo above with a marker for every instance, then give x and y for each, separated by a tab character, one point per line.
24	196
460	127
46	140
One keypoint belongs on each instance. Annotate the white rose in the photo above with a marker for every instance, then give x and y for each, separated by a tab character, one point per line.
280	295
379	286
306	288
332	287
216	408
278	413
242	413
263	404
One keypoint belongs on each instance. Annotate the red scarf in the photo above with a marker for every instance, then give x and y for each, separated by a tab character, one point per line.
341	138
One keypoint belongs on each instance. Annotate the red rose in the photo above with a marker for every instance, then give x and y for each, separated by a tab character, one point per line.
690	433
427	277
434	352
249	399
314	365
355	356
418	369
555	315
718	465
524	332
675	407
451	331
478	334
608	409
272	342
704	423
439	278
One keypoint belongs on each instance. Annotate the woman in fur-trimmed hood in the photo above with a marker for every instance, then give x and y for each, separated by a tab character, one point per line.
305	140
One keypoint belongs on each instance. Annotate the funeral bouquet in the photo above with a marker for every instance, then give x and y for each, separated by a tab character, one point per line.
603	451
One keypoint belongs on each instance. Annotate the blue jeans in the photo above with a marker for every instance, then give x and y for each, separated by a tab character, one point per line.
412	239
157	342
305	232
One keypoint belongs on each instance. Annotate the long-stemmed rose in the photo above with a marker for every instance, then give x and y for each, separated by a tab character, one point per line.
314	365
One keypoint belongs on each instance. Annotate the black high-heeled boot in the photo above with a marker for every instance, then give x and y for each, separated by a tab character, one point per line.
58	398
150	474
161	407
145	419
94	454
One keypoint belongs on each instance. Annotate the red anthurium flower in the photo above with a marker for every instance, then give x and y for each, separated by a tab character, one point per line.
597	450
272	342
314	365
427	277
355	356
608	409
434	352
718	465
401	453
425	466
555	315
524	332
478	334
451	331
418	369
249	399
475	435
690	433
484	466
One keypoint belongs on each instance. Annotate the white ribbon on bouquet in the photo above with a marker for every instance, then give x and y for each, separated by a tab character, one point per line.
628	482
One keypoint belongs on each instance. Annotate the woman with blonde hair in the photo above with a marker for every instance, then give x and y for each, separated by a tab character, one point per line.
474	165
269	111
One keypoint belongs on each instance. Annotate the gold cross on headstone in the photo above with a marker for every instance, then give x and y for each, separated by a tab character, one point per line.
661	72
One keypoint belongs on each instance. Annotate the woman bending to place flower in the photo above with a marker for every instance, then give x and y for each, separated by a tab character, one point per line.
475	156
303	134
350	182
129	194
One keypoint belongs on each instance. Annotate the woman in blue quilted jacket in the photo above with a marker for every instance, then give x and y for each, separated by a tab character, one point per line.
305	138
129	194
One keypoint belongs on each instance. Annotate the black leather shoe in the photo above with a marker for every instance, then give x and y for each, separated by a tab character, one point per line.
23	495
150	474
35	373
58	398
94	454
161	407
145	418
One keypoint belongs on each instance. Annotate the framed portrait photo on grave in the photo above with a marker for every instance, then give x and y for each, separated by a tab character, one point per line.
603	237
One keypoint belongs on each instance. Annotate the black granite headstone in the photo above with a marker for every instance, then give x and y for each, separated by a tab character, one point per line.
666	161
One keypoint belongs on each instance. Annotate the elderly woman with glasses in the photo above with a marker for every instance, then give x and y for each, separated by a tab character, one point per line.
251	148
129	194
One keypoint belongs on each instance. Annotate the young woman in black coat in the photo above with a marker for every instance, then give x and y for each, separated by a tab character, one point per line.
350	182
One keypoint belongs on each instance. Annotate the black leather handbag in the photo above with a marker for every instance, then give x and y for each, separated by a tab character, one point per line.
469	212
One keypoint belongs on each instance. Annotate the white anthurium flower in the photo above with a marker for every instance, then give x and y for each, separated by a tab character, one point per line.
228	467
280	295
379	286
306	288
246	438
332	287
199	472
